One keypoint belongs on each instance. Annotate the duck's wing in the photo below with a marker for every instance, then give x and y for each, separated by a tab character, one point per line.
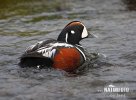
41	49
40	54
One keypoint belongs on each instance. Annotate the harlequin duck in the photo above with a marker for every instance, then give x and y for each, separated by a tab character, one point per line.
65	53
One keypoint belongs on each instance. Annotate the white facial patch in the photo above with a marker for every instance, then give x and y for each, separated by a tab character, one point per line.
73	32
84	33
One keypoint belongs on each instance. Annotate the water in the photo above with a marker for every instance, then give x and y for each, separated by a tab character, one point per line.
23	23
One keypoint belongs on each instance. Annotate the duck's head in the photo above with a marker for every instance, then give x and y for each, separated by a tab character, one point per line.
74	32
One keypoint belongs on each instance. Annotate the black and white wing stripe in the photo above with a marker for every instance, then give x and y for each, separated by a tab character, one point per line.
38	45
51	49
45	49
47	52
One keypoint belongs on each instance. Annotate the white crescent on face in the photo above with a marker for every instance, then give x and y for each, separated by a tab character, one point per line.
84	33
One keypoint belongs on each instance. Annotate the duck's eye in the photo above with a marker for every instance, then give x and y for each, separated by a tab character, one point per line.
73	32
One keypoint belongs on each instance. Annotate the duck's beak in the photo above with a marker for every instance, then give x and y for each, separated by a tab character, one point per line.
91	35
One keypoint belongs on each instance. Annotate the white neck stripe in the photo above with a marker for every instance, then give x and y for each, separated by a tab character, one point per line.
66	39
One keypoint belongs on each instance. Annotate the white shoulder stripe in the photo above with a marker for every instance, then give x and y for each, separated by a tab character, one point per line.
81	53
53	52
